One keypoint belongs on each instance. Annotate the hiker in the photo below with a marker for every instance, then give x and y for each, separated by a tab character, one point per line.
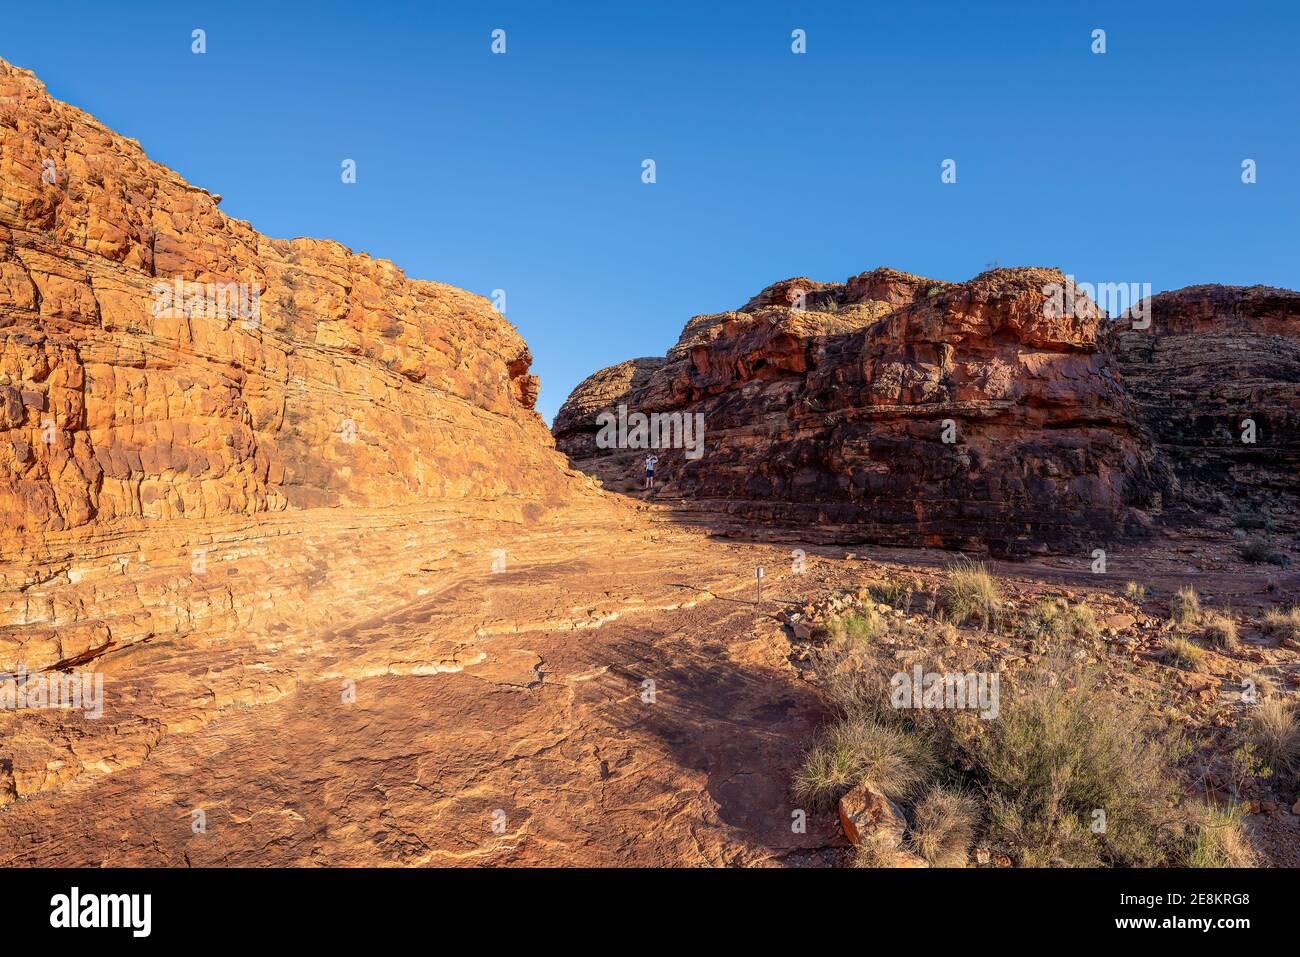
650	461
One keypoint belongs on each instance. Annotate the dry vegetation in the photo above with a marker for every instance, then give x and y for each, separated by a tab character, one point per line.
1185	608
1068	774
1219	631
1135	593
1283	624
1274	735
1182	653
969	595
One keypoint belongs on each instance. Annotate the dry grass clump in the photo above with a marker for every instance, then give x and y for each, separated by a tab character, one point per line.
1219	631
969	594
894	592
1064	750
855	626
1283	624
943	827
1056	618
1274	733
1135	593
872	854
1181	653
853	749
1185	607
1262	684
1218	839
867	741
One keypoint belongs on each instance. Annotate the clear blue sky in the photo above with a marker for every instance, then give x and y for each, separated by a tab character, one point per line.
523	171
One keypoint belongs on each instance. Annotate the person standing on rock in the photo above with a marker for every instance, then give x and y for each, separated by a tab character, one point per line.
650	461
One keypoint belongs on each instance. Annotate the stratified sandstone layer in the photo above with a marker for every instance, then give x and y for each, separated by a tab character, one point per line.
1216	367
598	392
212	489
826	405
354	386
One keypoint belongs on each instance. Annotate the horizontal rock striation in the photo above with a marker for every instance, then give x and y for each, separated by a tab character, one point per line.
828	405
189	409
602	390
1217	366
351	385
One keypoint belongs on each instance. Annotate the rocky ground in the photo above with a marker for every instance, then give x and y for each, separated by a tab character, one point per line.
523	691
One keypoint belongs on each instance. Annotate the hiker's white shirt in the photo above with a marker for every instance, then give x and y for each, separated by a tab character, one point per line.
650	462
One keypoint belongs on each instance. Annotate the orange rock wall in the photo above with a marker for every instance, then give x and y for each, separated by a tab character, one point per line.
353	385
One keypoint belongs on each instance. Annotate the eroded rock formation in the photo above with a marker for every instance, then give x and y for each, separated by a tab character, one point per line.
214	439
898	409
350	607
353	385
1216	378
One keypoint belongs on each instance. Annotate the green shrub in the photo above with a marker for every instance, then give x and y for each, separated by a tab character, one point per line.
1253	520
1255	551
1061	752
855	626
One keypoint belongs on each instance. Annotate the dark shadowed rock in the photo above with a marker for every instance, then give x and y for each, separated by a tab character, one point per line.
1212	359
834	416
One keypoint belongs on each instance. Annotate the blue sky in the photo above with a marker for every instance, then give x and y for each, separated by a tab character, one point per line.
523	171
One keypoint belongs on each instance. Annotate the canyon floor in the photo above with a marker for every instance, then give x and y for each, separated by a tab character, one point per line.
393	699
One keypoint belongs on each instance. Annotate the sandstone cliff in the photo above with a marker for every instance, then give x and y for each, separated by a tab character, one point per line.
1216	378
354	385
898	409
170	379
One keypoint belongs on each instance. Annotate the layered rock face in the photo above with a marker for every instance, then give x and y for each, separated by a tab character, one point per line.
1217	367
606	389
169	376
122	401
898	409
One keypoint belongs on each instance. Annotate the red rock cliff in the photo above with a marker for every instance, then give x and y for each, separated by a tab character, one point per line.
827	405
355	385
208	463
1216	377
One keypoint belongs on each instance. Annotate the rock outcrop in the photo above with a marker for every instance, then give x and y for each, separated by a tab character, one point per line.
1216	378
347	603
602	390
349	606
893	408
207	434
286	373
